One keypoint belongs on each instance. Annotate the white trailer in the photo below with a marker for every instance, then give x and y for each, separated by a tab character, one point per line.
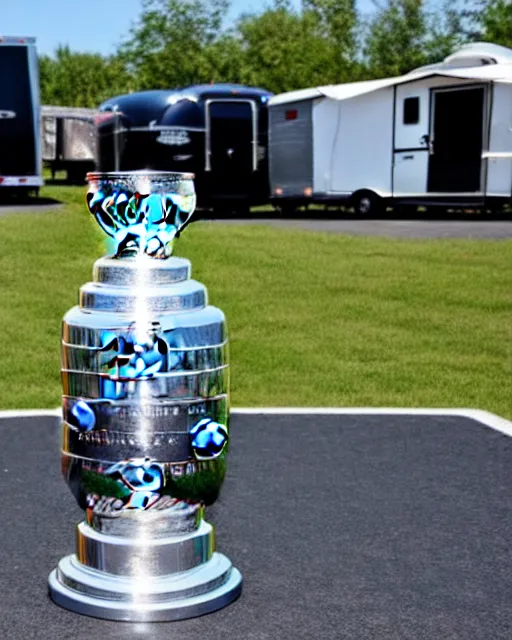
440	135
20	143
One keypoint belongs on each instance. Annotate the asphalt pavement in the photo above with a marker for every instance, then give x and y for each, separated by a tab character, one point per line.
357	527
446	225
433	225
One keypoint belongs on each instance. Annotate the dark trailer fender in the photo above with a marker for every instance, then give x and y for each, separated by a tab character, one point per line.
218	132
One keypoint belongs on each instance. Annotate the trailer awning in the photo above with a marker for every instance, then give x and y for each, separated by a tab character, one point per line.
334	91
486	73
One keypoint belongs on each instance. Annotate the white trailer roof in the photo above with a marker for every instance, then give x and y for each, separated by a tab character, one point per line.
335	91
481	53
453	66
488	73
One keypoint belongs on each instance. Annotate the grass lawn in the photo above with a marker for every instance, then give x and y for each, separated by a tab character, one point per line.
315	319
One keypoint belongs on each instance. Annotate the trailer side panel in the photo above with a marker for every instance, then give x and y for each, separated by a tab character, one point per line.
291	149
499	167
325	118
360	157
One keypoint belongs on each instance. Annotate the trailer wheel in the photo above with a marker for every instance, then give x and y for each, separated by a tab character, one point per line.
366	203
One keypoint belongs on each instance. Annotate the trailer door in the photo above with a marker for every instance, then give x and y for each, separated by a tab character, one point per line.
499	156
17	130
411	140
231	145
456	140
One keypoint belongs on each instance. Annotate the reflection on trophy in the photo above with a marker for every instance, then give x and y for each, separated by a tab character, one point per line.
145	415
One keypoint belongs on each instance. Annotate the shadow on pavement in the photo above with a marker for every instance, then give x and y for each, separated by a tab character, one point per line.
26	204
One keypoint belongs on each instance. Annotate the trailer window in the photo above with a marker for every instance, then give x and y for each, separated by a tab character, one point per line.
412	110
230	109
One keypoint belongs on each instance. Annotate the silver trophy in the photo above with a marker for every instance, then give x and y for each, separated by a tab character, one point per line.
145	415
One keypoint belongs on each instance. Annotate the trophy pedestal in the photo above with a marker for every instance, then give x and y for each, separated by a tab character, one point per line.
145	579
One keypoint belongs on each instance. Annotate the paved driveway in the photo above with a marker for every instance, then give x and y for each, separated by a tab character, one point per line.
352	526
460	226
448	226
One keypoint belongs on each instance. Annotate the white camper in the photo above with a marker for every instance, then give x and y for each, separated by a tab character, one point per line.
20	144
440	135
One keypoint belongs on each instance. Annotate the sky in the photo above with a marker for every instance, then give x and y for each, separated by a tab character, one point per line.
96	26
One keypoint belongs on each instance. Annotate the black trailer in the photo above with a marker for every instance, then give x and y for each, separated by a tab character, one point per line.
20	145
219	132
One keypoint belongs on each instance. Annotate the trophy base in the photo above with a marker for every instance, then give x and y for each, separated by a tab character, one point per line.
178	597
185	586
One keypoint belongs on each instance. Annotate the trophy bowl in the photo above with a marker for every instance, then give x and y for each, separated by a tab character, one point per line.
145	415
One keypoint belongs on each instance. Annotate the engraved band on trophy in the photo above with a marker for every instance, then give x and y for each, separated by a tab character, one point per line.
145	415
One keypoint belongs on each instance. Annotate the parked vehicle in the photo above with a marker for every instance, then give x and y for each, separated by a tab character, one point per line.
440	135
20	145
69	140
218	132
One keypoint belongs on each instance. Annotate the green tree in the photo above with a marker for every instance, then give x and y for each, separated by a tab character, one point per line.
81	79
446	31
396	39
471	13
338	25
496	21
225	60
284	50
172	43
481	20
175	43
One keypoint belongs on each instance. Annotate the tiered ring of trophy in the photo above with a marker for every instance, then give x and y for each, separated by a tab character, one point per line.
145	415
